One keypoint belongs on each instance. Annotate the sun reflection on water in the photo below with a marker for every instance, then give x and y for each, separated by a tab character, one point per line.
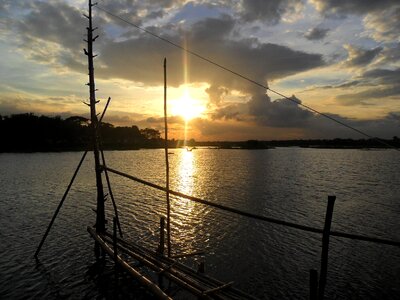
187	216
185	176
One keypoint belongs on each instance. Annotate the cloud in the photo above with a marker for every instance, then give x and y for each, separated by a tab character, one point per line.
55	40
139	12
390	55
139	59
316	34
343	7
278	113
383	76
385	85
358	57
230	112
382	18
271	12
264	112
215	94
385	24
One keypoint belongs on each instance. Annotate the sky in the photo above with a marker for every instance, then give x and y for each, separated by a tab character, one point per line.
341	58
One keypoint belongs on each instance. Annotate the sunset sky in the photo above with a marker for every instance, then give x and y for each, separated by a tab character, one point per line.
339	57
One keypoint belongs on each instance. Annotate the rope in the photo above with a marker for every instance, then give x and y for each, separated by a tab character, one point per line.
245	77
258	217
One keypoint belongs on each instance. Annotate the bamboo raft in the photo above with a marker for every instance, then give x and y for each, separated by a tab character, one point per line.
127	255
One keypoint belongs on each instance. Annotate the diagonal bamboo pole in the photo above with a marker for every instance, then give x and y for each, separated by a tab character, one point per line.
111	193
67	191
60	204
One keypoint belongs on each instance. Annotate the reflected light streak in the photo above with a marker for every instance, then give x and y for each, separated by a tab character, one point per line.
186	213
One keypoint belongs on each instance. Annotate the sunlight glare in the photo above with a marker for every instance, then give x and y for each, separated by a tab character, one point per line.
187	107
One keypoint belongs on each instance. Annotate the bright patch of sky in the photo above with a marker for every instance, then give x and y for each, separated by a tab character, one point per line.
192	12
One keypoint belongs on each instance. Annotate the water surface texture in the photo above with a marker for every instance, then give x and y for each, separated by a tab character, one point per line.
265	260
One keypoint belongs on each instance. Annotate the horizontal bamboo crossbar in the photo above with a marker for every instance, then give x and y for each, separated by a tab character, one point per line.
258	217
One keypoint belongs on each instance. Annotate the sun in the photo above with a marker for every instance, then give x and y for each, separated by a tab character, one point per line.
187	107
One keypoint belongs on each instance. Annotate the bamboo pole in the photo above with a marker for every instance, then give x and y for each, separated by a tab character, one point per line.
160	249
259	217
180	270
325	247
115	240
142	279
313	284
60	204
67	190
100	213
111	193
167	162
177	277
218	288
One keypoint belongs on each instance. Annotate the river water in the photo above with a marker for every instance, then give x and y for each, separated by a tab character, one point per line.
266	260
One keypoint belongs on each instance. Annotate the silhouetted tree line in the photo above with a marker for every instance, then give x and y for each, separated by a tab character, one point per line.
31	133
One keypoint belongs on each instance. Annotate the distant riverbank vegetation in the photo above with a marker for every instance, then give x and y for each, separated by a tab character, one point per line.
31	133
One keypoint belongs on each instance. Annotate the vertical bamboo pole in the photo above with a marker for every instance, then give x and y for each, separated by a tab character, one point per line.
325	247
115	240
313	284
100	215
162	237
167	162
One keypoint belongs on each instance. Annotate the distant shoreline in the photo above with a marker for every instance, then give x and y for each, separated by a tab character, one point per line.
27	133
260	145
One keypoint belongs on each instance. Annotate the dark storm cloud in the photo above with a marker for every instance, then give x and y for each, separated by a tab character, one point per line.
316	34
361	57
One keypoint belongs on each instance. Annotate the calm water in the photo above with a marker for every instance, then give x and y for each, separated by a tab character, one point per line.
268	261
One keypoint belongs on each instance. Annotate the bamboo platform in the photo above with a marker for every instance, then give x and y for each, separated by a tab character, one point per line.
127	255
